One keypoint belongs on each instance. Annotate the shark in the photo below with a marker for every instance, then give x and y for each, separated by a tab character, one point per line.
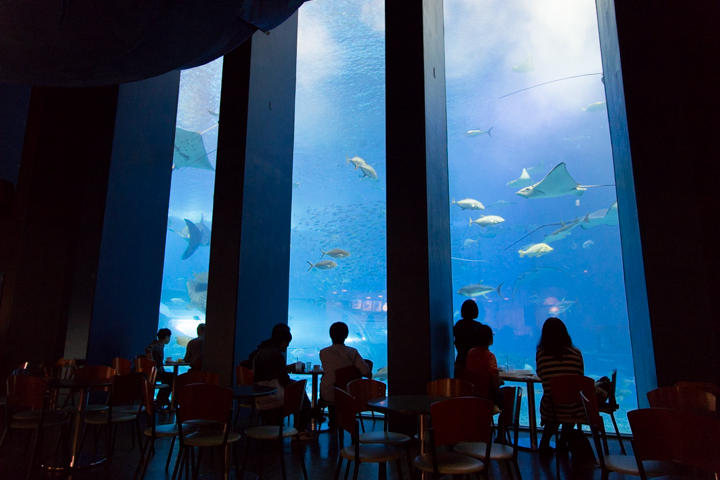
557	183
479	289
523	181
602	217
564	230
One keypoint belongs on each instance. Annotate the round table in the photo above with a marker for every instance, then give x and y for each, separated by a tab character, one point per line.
250	391
84	385
529	379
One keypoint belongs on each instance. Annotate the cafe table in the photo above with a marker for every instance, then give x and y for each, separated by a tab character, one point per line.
315	388
529	379
176	369
84	385
252	391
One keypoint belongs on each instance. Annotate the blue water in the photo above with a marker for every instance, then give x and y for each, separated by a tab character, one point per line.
340	111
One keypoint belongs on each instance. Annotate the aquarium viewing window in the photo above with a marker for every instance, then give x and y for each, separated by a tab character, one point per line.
187	245
526	104
338	253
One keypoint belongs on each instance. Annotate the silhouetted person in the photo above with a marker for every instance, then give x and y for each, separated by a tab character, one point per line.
156	351
464	331
194	351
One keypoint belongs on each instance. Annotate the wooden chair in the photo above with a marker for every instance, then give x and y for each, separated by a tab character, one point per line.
144	365
450	387
363	390
346	410
683	398
99	372
611	407
155	431
566	390
704	386
292	404
122	366
625	464
343	376
244	376
27	409
63	369
501	452
196	376
455	421
676	436
126	390
206	404
480	380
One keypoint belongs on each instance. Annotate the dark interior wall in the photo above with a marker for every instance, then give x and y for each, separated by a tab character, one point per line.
65	162
250	250
129	272
14	106
668	53
418	239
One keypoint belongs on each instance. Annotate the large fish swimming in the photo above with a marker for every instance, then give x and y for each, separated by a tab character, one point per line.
357	161
521	182
476	132
335	253
564	230
525	66
557	183
468	204
368	171
536	250
196	235
487	220
561	306
323	265
479	289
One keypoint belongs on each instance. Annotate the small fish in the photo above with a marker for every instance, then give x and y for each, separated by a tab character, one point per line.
323	265
477	132
487	220
536	250
469	241
479	289
523	181
468	204
357	161
178	301
525	66
595	107
588	244
335	253
562	306
368	171
501	203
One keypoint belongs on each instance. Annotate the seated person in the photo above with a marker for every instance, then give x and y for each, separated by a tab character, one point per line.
194	351
338	355
156	351
481	359
269	364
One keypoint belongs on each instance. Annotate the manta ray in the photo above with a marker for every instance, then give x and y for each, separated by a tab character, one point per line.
602	217
557	183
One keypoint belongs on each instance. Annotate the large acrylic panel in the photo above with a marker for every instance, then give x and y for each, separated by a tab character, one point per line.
525	95
187	245
338	204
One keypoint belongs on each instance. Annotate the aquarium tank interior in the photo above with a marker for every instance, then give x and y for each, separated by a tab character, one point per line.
533	209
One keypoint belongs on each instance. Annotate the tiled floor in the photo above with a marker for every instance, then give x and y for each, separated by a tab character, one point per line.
320	457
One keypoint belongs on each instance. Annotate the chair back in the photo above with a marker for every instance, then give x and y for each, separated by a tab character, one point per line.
196	376
510	414
345	375
346	410
122	366
704	386
201	401
244	376
467	419
144	364
450	387
26	391
675	436
480	380
363	390
688	398
597	427
63	369
566	389
148	400
294	395
96	372
612	401
127	389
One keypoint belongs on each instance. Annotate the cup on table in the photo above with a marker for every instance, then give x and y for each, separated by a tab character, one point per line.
169	359
299	366
308	366
316	368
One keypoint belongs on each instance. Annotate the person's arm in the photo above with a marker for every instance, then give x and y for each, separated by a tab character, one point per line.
494	372
282	370
362	365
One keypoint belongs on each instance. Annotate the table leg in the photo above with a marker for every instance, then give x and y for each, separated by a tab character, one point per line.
176	370
79	422
422	436
314	400
532	419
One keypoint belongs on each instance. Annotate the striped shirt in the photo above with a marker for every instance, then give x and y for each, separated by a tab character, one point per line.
548	366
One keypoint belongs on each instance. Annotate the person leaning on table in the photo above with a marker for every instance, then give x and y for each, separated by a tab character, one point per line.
156	351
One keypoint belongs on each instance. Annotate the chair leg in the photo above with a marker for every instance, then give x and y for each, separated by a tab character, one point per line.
178	462
302	457
236	459
172	445
33	454
4	435
262	448
196	469
338	468
244	462
617	431
282	459
398	465
356	470
382	471
142	461
347	469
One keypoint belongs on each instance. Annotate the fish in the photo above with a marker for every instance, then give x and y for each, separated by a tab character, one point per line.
382	374
214	114
557	183
357	161
190	151
196	235
501	203
521	182
478	289
468	204
201	277
588	244
178	301
562	306
368	171
595	107
524	67
537	170
487	220
335	253
477	132
564	230
536	250
197	291
469	241
607	216
323	265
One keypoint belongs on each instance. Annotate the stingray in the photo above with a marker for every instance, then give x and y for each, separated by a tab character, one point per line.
602	217
521	182
190	151
557	183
